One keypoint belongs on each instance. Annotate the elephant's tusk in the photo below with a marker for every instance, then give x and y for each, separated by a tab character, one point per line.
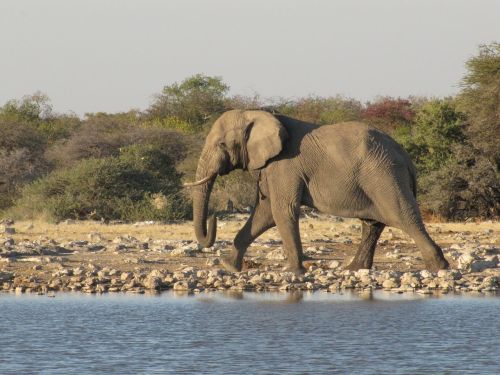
196	183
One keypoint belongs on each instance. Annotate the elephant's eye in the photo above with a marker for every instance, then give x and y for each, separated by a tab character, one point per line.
222	145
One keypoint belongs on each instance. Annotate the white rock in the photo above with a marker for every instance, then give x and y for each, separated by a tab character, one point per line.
334	264
425	274
276	255
482	264
362	272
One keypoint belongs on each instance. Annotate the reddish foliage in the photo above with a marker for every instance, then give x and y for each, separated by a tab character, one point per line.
388	113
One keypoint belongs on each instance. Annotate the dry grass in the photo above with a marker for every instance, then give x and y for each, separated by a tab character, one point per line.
320	228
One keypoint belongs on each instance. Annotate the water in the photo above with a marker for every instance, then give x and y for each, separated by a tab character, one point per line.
249	334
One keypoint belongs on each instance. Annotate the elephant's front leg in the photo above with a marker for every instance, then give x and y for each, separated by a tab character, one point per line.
286	217
259	221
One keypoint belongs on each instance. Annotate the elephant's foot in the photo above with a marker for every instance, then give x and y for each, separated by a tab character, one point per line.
231	264
297	270
356	265
436	265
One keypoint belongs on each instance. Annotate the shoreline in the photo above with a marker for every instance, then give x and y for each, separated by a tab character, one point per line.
90	257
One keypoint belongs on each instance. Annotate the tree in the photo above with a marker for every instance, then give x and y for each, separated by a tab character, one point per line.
322	111
194	101
480	100
438	125
31	108
388	113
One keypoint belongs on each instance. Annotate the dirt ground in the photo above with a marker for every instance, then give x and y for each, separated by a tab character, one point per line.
143	247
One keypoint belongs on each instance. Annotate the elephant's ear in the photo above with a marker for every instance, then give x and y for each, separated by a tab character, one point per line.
264	139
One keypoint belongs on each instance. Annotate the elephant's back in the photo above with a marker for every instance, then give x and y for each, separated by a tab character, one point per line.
359	141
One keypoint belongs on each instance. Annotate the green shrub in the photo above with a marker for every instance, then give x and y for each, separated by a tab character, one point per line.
104	135
140	184
438	126
21	158
237	187
466	186
194	101
322	111
480	100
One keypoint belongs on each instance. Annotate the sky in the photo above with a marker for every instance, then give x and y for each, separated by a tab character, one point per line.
115	55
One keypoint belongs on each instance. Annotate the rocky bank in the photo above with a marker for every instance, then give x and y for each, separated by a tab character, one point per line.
99	263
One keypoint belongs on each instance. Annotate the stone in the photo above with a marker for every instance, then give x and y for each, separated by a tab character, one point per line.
95	237
156	273
334	264
212	262
153	282
126	276
362	272
9	242
482	264
276	255
389	284
9	230
425	274
185	251
183	286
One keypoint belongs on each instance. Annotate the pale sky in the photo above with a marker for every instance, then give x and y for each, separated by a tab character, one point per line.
104	55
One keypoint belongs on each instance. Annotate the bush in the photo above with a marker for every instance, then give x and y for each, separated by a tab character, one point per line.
322	111
438	126
480	100
104	135
387	114
21	161
467	186
140	184
191	103
237	187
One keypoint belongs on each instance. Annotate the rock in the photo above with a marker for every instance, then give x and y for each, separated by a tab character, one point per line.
156	273
9	242
6	276
276	255
95	248
95	237
465	260
212	262
472	262
425	274
389	284
362	272
334	264
125	276
482	264
183	286
443	274
185	251
9	230
153	282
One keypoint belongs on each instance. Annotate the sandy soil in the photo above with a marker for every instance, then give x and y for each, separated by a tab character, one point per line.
143	247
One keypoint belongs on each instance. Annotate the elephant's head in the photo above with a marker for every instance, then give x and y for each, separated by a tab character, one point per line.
238	139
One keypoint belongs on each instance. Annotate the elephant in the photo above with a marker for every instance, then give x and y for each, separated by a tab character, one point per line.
347	169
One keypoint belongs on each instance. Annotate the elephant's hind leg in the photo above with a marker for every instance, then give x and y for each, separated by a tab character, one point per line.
370	233
259	221
431	253
405	215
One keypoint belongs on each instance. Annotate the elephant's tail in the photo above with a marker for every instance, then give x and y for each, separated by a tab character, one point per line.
413	179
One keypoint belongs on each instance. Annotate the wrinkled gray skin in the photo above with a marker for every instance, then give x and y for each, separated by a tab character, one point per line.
347	169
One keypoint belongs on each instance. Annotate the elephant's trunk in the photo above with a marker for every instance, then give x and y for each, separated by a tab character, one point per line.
201	197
